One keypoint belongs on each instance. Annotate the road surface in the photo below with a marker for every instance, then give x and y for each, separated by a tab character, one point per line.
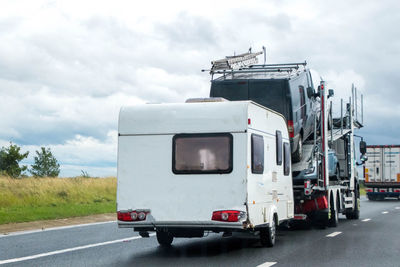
374	240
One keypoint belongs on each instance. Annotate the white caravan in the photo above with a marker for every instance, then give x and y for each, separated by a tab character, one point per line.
189	168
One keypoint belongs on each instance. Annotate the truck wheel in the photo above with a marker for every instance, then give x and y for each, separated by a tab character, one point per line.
268	235
297	155
355	213
334	220
164	238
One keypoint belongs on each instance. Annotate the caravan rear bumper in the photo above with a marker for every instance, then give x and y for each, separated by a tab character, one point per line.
201	225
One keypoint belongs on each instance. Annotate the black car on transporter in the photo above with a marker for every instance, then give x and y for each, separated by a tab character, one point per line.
285	88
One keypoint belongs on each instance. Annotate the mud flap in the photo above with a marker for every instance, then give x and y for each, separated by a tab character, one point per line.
320	218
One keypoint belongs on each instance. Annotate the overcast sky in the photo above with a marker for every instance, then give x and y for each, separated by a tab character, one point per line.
66	67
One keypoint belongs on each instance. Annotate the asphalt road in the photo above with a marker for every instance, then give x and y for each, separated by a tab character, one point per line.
374	240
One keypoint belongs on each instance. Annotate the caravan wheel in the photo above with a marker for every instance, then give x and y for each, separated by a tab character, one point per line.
164	238
268	235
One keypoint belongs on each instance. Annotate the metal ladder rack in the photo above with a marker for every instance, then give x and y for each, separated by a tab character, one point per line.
279	66
234	62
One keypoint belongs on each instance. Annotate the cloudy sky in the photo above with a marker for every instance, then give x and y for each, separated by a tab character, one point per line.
66	67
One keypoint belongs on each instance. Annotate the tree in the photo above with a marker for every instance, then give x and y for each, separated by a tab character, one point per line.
45	164
9	160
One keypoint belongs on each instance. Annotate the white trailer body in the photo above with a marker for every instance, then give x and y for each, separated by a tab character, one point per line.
180	166
382	171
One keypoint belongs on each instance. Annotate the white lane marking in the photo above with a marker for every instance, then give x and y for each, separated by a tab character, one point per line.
385	212
267	264
333	234
397	208
53	228
68	250
366	220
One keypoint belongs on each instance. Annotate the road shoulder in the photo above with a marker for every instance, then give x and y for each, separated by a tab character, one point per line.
6	229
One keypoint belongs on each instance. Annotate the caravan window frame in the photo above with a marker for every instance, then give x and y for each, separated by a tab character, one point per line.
176	170
279	148
286	159
254	139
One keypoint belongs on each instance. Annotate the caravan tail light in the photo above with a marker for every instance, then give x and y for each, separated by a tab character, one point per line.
382	190
132	216
227	215
397	190
124	216
290	128
369	190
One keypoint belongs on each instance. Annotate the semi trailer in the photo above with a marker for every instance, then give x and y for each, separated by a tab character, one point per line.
213	165
382	172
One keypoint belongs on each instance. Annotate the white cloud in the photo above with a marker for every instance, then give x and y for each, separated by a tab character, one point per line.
82	153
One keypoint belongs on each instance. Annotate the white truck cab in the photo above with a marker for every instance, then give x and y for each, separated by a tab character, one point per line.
188	168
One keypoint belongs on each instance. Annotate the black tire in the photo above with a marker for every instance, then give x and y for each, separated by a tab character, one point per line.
268	235
334	220
355	213
372	198
297	155
164	238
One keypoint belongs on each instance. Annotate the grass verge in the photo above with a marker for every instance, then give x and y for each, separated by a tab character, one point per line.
362	189
32	199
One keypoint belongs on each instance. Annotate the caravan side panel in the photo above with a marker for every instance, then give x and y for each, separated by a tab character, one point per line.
271	191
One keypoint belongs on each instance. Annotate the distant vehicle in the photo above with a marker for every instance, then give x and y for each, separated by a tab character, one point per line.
185	169
285	88
382	172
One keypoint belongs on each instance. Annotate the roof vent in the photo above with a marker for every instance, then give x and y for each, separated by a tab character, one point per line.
209	99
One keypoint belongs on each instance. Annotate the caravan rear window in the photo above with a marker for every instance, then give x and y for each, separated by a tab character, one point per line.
202	153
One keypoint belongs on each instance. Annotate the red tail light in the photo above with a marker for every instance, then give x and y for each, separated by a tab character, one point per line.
369	190
131	216
382	190
227	215
290	128
307	187
397	190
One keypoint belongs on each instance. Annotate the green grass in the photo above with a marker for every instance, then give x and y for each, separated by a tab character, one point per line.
362	189
32	199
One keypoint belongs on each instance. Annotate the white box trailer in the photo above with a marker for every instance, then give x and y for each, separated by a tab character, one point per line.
187	168
382	171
